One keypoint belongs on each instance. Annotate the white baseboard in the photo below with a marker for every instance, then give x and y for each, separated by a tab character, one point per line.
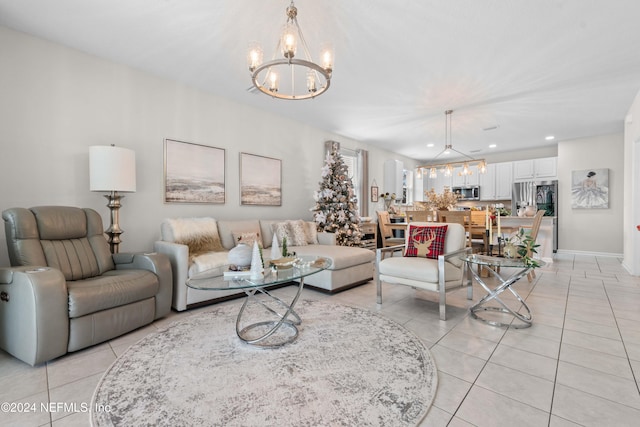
587	253
630	269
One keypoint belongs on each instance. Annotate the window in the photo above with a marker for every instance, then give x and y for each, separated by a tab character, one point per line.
407	187
357	162
350	159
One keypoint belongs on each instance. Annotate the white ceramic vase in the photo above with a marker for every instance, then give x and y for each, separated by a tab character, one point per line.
240	255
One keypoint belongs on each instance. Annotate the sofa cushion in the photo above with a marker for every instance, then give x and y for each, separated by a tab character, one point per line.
312	232
208	261
425	241
419	269
282	231
112	289
248	238
298	232
200	234
341	256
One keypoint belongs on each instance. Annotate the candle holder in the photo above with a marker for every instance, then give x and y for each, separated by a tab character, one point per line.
500	242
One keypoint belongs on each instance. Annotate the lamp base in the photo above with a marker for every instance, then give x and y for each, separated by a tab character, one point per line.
114	231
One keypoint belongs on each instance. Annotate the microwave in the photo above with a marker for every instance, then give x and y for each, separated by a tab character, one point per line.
471	192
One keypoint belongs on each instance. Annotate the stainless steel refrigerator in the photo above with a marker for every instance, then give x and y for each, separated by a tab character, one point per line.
541	195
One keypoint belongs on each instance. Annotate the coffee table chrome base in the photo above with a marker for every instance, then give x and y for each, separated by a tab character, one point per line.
258	333
493	294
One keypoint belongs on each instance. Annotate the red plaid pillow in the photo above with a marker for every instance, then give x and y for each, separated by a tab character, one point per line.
425	241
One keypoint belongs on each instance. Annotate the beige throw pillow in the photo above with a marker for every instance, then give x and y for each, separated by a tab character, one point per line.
282	230
298	233
311	231
248	238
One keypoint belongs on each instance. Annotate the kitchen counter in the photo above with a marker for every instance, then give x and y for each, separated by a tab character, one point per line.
525	218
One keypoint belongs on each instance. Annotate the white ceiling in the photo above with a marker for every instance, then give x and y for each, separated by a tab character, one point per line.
533	68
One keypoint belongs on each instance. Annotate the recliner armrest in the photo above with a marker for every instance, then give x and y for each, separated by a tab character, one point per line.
34	313
156	263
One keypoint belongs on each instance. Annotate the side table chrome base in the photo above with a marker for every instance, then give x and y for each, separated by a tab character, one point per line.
493	294
270	333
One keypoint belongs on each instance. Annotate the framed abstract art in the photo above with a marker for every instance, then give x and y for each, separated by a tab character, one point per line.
260	180
193	173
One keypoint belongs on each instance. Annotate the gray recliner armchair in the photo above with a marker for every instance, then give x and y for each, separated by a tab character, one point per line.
66	291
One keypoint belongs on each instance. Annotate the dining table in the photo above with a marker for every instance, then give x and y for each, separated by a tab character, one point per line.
477	231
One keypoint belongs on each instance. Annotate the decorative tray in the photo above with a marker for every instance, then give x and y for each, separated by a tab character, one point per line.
285	262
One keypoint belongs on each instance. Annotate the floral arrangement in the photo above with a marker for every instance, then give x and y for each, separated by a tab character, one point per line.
442	202
388	201
526	246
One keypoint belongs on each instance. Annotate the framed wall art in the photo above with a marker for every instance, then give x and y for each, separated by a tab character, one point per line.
260	180
590	189
193	173
374	194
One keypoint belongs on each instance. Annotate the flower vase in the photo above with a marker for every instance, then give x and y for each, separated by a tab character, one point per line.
510	250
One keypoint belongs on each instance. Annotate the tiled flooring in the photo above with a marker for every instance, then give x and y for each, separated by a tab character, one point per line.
577	365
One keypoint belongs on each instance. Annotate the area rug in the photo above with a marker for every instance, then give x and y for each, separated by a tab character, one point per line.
348	367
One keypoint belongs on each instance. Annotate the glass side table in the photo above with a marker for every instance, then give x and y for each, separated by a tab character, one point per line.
494	266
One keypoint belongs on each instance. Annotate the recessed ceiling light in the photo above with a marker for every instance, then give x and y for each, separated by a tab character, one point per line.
550	138
492	146
430	145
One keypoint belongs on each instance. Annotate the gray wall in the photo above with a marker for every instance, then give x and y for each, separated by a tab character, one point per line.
56	102
631	236
591	230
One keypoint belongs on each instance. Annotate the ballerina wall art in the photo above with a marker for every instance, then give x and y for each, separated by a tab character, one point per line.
590	189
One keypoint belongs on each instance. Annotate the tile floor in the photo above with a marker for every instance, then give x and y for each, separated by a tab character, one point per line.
577	365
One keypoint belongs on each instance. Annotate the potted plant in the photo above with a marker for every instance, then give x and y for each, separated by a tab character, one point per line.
525	246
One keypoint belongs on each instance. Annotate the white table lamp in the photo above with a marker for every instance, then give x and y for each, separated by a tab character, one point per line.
112	169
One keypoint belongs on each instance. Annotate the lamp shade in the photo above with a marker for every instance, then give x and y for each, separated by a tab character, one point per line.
112	168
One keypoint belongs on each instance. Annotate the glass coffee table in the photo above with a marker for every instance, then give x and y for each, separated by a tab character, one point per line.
254	329
494	265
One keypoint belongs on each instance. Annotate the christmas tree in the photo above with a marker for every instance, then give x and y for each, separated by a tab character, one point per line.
336	209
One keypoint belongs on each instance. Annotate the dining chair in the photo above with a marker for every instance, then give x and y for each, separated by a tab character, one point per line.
535	228
386	233
422	216
478	228
459	217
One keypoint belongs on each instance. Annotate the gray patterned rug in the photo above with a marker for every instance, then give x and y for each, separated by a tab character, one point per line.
348	367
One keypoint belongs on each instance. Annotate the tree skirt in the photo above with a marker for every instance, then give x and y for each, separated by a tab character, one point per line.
348	367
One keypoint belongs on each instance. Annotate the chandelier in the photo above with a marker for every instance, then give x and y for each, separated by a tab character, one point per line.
447	168
304	78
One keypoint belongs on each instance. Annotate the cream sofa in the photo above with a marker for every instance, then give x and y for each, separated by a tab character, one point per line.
181	237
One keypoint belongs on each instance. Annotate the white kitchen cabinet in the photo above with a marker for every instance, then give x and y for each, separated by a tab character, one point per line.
418	187
535	169
523	170
393	174
504	180
496	183
546	168
487	182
